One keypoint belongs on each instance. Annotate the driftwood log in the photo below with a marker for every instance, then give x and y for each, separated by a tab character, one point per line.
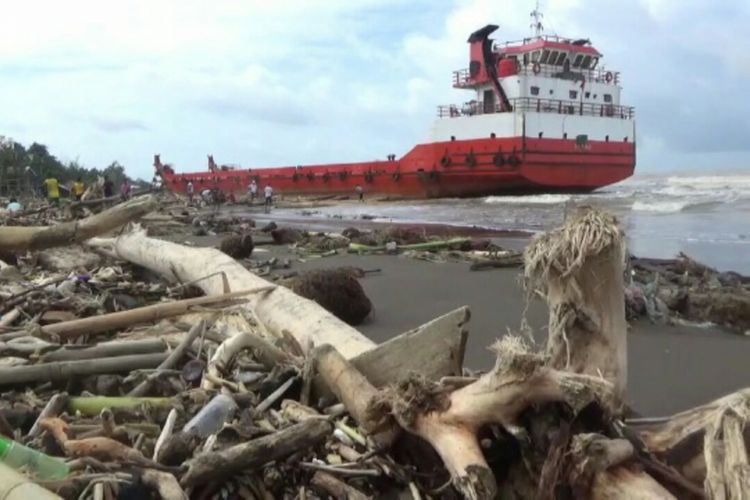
279	310
22	238
221	464
435	349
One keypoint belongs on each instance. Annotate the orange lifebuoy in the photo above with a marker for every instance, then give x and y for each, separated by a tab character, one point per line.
608	77
536	68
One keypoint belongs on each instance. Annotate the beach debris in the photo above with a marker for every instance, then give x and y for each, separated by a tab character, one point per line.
253	391
286	235
337	290
22	238
237	246
667	290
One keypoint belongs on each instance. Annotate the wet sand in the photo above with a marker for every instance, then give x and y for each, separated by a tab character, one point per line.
671	368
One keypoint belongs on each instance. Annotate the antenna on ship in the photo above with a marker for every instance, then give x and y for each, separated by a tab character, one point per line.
536	20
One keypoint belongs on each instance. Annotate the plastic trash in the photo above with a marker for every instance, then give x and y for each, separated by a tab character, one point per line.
212	417
20	457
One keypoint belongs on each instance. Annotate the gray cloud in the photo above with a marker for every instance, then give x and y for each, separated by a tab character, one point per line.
116	125
274	111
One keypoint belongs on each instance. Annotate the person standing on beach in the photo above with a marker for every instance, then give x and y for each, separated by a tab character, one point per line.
268	192
253	190
53	190
360	193
78	189
109	188
14	206
125	190
190	192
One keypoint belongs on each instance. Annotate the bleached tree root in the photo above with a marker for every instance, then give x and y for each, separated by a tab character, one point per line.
595	475
708	445
450	420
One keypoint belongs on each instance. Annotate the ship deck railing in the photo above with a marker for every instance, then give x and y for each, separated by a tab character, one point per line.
462	77
533	104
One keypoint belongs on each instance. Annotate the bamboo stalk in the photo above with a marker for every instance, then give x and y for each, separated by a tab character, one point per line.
172	359
94	405
64	370
105	349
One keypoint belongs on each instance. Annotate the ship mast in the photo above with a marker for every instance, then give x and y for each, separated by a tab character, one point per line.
536	21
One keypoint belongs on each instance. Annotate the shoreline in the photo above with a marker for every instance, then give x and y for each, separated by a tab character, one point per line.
671	367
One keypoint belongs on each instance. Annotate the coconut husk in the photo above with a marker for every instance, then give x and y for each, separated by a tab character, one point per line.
337	290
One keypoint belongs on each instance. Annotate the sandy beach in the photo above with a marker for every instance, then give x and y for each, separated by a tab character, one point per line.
671	368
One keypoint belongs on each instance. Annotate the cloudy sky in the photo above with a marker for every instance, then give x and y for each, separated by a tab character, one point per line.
287	82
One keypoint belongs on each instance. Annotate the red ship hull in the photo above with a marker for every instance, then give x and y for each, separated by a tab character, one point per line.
463	168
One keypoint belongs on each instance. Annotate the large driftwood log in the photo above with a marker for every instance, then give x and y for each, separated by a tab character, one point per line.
279	310
22	238
579	271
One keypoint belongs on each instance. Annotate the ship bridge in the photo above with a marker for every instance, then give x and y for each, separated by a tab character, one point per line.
545	86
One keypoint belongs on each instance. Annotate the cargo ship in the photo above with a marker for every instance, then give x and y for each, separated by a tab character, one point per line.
544	116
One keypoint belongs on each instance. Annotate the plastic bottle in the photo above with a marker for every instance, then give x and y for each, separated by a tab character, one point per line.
212	417
41	466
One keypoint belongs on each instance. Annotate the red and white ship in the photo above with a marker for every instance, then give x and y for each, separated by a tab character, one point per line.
545	116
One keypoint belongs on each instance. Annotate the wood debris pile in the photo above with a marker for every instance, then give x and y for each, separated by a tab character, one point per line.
142	389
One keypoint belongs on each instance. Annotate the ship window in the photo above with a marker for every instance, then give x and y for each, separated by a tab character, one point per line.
574	94
561	58
607	97
552	57
526	59
545	56
534	90
535	56
586	62
551	91
588	95
594	62
577	62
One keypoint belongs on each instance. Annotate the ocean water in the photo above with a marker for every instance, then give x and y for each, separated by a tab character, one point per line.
705	216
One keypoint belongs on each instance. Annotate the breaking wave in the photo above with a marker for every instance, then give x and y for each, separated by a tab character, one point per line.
661	207
539	199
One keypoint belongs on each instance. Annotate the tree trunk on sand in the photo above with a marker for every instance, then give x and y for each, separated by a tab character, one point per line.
22	238
279	310
579	271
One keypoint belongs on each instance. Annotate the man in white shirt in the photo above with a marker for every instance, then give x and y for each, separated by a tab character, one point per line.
268	192
190	191
253	190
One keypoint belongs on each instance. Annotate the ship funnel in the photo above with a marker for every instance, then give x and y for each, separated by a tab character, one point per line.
481	34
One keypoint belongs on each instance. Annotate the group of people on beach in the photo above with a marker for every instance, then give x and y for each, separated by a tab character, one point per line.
52	188
215	196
